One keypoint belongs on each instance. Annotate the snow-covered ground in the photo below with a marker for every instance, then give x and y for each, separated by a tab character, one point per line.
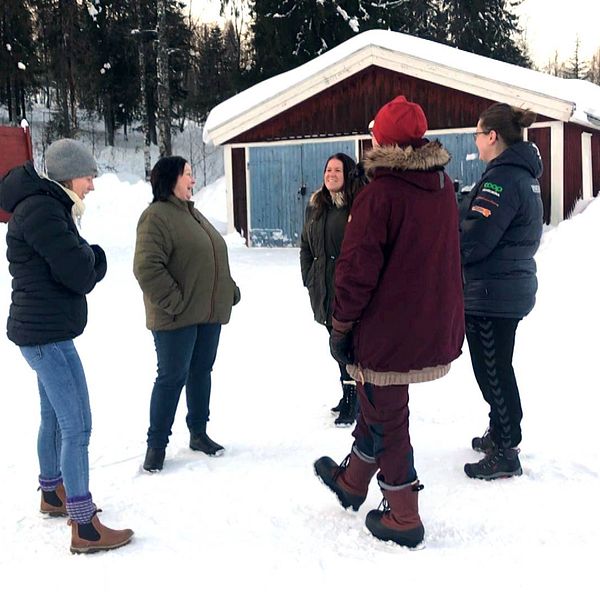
256	523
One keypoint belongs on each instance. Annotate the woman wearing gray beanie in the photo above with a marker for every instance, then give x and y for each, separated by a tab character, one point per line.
53	269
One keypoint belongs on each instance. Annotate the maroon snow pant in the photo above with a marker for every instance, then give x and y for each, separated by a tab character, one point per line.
382	431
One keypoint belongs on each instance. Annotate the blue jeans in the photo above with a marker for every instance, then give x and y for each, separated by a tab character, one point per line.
185	357
66	419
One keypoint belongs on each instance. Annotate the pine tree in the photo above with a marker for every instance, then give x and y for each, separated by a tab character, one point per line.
576	67
58	29
594	70
214	70
288	33
485	27
108	69
18	60
554	66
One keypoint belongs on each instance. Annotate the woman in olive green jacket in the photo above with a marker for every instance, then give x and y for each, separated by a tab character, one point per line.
182	266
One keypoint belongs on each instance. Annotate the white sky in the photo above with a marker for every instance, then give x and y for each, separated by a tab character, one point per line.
548	24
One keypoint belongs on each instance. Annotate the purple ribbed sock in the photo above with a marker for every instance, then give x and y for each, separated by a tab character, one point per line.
81	508
49	485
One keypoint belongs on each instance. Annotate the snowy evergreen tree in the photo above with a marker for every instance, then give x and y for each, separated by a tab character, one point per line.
60	45
576	67
288	33
594	71
554	66
485	27
18	60
109	77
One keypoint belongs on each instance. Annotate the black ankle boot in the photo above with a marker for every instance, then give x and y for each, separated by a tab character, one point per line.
155	457
336	409
202	443
349	406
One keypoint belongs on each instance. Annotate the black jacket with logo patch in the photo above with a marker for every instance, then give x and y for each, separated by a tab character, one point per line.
501	227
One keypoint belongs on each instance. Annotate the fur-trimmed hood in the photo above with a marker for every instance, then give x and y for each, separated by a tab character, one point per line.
431	156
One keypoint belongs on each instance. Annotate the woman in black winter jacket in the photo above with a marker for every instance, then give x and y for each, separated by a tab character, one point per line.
53	269
501	230
324	225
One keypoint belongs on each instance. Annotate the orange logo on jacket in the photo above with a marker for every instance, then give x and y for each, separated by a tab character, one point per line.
486	212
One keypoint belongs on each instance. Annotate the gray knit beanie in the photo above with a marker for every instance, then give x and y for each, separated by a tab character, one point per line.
68	159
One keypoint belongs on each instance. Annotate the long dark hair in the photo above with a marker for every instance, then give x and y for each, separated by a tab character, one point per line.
163	176
322	197
507	121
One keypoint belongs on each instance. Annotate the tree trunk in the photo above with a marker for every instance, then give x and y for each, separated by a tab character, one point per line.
144	93
109	120
162	72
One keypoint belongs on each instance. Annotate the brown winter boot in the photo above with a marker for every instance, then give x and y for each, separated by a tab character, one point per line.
53	503
93	537
399	520
350	480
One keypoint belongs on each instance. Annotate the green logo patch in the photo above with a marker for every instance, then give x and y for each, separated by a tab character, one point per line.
488	185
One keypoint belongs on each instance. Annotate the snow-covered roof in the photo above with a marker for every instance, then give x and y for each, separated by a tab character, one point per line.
568	100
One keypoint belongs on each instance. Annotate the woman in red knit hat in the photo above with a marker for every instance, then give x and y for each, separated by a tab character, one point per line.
398	312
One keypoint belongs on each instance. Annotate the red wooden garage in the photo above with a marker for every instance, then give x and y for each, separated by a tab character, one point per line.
15	149
334	96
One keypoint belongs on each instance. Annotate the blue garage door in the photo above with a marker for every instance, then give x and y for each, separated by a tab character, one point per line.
465	166
282	178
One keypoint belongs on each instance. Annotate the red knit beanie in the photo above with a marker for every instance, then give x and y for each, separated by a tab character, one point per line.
399	122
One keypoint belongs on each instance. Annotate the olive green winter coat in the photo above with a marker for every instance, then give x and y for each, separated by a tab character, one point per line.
182	266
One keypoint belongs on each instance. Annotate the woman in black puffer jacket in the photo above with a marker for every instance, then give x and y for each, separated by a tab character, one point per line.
324	225
501	230
53	268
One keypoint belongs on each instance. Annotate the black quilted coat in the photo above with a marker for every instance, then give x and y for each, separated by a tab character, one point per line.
53	267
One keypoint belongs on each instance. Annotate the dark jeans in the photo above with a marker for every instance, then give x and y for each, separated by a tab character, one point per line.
344	376
491	344
185	357
382	431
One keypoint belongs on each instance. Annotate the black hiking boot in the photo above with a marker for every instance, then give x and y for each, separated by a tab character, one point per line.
484	444
349	406
336	409
501	462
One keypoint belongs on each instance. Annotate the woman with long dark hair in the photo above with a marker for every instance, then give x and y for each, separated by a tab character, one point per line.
324	225
500	233
182	266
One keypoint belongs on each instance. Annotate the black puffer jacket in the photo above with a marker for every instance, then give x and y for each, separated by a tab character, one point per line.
320	246
501	228
52	266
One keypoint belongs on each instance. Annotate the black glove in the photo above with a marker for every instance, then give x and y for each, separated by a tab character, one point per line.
341	347
237	295
99	261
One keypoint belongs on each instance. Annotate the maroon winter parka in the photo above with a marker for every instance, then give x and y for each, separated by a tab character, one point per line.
398	278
